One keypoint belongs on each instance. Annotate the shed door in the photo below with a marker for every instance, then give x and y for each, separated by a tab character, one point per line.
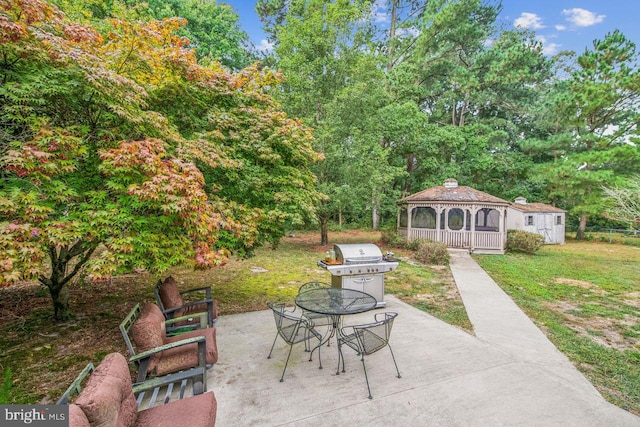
545	228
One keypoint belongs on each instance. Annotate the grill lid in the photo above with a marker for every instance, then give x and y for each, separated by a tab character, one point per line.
357	253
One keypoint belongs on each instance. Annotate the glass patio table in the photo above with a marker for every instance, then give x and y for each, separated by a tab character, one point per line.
335	303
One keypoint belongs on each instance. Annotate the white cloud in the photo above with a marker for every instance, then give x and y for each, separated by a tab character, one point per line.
529	20
561	27
265	46
582	17
548	48
413	32
379	12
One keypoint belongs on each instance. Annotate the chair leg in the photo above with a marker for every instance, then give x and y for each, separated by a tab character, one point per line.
394	360
307	341
286	363
319	357
198	387
314	349
366	377
272	345
307	346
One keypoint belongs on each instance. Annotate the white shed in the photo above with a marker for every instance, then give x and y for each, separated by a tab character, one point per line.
546	220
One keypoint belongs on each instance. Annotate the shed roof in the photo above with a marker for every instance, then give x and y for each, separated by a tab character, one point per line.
452	192
536	207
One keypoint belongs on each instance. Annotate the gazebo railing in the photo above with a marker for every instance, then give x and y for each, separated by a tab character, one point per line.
457	239
488	240
424	233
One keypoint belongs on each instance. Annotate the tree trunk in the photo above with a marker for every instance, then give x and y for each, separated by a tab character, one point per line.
411	160
340	217
375	219
580	235
61	260
453	114
392	34
61	305
463	111
324	233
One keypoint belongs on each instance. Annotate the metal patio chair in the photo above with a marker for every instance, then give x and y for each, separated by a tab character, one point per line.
313	285
292	330
317	318
366	339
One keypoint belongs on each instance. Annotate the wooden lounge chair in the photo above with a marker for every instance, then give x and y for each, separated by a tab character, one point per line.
171	302
110	398
156	353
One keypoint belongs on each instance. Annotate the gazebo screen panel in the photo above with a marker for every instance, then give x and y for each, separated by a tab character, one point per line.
456	219
404	217
423	217
487	219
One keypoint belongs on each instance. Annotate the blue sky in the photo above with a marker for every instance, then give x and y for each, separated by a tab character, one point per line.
559	24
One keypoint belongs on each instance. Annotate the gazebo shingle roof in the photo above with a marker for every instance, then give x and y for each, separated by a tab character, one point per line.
457	193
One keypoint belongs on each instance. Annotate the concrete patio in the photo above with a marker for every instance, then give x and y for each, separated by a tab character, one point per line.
508	374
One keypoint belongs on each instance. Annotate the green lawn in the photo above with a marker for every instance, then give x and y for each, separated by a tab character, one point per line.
41	358
586	298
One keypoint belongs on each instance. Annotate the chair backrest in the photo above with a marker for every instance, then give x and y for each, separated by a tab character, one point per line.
76	386
289	327
156	291
108	398
167	294
127	324
375	336
313	285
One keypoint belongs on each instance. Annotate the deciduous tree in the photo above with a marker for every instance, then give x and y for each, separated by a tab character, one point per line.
333	81
625	201
212	29
103	169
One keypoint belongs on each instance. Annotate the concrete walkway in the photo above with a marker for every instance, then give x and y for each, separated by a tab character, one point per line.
498	321
508	374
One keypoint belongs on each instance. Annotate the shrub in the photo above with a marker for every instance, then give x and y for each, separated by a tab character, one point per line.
390	237
430	252
412	245
523	241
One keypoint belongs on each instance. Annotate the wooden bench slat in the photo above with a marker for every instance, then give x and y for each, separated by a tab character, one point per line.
154	396
167	396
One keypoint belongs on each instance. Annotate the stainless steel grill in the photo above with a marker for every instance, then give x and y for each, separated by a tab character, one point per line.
360	266
358	253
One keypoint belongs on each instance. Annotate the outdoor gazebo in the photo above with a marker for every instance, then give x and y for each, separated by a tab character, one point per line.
459	216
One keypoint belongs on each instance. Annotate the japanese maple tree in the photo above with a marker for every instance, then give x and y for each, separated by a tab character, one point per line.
119	150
